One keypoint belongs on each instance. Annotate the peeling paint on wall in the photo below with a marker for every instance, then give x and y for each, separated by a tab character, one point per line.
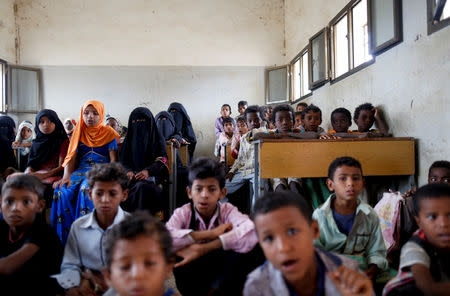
7	31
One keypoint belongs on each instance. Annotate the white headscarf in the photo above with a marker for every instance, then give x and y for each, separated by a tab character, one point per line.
25	150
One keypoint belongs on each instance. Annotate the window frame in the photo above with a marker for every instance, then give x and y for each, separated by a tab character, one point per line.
433	27
298	57
316	84
348	11
9	93
267	92
3	91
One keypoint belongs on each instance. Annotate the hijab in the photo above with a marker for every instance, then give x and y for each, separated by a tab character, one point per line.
185	127
26	123
74	123
91	136
166	124
7	126
143	143
46	146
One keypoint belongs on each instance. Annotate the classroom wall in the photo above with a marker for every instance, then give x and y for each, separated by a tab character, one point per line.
409	82
7	31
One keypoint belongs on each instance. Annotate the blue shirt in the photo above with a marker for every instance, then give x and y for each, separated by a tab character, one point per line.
343	222
320	279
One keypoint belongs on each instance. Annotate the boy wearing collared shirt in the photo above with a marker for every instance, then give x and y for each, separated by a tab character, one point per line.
84	252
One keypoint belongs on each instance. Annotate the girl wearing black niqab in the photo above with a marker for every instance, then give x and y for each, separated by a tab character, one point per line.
143	154
7	137
184	125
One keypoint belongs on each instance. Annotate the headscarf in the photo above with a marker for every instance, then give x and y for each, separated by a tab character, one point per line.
91	136
74	124
166	127
26	123
143	143
185	127
7	126
46	146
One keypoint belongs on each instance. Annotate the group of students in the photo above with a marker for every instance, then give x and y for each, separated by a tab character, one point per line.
208	246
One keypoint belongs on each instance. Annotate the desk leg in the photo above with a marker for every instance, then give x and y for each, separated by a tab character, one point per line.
257	179
172	180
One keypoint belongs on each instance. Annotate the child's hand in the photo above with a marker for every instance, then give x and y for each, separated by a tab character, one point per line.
184	142
351	282
376	113
329	137
15	144
189	254
130	175
229	176
64	181
96	280
372	271
221	229
142	175
410	192
176	144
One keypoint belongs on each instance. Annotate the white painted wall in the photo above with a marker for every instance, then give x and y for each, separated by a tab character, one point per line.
410	81
7	31
151	32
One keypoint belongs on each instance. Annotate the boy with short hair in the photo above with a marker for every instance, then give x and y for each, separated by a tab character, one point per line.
341	120
242	130
30	250
208	234
425	258
242	105
348	225
225	112
84	252
301	106
439	172
312	119
298	120
365	116
226	137
294	266
130	245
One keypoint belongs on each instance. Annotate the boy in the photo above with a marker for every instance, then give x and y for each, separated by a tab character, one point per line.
424	260
225	112
341	120
365	116
348	225
208	235
30	250
298	120
83	255
226	137
243	168
439	172
242	105
312	119
294	266
242	130
130	245
301	106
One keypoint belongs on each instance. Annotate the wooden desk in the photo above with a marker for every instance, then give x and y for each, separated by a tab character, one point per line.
229	160
282	158
172	164
184	154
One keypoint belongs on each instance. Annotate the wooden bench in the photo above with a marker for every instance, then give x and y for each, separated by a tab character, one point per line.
184	154
229	160
283	158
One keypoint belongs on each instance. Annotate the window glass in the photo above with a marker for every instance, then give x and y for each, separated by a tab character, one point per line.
305	74
361	52
341	47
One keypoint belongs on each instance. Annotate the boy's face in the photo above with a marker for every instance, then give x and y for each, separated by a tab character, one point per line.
241	109
439	175
283	121
253	120
312	121
347	182
365	120
242	127
225	112
286	238
205	193
25	133
47	127
434	220
19	207
228	128
298	120
340	123
106	197
138	267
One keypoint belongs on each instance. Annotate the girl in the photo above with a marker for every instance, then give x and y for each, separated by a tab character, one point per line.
24	138
167	127
184	125
8	128
92	142
69	126
143	154
7	134
49	149
225	112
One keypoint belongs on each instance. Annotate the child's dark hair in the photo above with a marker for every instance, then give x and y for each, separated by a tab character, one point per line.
303	104
433	190
204	167
242	103
108	172
439	164
251	109
133	226
228	120
26	182
312	108
272	201
297	113
241	119
343	161
283	107
342	111
365	106
226	105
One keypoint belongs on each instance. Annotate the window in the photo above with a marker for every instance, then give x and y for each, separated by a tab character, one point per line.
350	40
23	90
318	59
385	21
438	15
2	86
277	84
299	76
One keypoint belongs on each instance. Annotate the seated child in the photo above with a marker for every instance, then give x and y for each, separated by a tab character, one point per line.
242	130
265	112
30	250
294	266
298	120
301	106
425	258
83	254
225	138
225	112
439	172
348	225
129	247
312	119
365	116
242	105
208	235
69	126
24	138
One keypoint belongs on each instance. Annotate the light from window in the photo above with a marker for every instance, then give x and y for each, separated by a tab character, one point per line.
296	82
360	34
341	46
446	11
305	74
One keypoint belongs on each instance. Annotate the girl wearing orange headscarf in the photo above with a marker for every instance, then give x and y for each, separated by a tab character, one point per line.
92	142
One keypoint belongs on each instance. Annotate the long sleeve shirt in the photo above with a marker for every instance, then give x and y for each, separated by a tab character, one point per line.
218	126
364	240
242	238
224	139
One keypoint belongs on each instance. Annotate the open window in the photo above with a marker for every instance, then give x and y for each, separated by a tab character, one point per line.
438	15
318	59
277	84
2	86
385	21
349	37
300	76
23	89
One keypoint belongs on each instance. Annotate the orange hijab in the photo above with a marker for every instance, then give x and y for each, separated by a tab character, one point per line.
94	136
